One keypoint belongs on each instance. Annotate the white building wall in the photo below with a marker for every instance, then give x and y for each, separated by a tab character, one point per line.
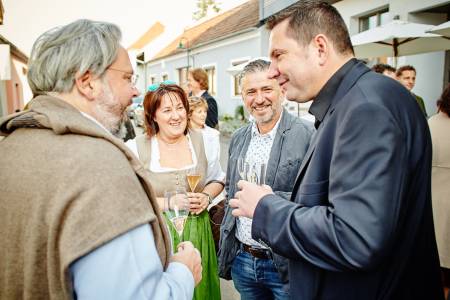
26	90
430	67
220	55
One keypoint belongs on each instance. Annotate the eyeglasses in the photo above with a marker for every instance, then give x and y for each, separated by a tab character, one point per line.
133	77
155	86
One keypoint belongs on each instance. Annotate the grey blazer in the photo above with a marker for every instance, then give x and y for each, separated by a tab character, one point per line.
288	149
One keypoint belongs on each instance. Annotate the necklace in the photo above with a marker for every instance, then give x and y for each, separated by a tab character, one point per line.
170	146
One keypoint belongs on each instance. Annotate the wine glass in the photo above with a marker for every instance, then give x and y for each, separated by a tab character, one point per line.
257	173
243	167
193	177
261	172
176	206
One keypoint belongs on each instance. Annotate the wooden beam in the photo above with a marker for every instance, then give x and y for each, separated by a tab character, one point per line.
1	12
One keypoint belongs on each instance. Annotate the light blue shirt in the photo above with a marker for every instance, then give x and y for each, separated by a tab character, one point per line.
128	267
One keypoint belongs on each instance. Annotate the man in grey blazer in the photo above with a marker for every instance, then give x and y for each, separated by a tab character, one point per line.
278	140
360	225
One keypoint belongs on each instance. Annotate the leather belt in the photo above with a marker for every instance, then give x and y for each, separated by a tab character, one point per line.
255	252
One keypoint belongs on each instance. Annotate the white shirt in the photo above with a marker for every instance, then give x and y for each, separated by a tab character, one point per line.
258	152
211	141
200	93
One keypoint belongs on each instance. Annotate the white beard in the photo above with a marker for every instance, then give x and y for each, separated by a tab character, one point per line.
108	110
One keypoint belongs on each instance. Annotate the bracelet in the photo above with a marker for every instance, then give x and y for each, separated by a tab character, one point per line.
209	197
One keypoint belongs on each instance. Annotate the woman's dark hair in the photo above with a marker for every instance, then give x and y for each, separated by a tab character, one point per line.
443	103
152	102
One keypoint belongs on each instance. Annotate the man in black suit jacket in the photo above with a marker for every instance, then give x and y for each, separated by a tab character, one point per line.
360	225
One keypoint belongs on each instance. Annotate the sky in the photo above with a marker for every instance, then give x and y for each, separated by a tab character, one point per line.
25	20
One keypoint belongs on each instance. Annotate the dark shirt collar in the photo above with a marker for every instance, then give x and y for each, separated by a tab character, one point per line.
322	102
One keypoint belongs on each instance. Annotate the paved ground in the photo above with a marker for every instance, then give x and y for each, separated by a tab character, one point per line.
228	291
224	143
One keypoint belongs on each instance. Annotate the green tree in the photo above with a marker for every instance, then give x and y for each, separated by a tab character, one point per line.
203	6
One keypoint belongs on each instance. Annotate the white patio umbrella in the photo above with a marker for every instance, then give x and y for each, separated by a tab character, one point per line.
442	29
398	38
234	70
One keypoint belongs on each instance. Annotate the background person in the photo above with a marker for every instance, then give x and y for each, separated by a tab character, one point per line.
279	140
440	175
79	220
211	137
198	108
406	75
385	69
169	150
198	86
360	225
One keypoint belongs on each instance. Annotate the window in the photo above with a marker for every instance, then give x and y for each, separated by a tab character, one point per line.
164	77
182	76
211	71
235	64
373	20
152	79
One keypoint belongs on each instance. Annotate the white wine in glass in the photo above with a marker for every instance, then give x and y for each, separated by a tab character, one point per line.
193	178
177	209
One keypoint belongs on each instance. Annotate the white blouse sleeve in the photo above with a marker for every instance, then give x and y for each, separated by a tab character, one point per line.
212	150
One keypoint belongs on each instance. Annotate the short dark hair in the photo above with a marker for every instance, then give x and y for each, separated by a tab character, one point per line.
201	77
309	18
405	68
443	103
152	101
380	68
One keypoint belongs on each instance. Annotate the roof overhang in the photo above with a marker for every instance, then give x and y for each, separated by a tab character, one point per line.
1	12
14	50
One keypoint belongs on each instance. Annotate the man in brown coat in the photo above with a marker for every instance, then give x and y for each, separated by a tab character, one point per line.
78	215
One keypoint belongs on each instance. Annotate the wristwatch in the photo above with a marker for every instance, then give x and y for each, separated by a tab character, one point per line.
209	197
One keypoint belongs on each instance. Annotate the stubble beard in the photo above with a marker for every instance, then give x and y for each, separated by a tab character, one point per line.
267	118
108	110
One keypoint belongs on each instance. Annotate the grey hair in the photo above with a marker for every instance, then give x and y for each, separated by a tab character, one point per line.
62	53
254	66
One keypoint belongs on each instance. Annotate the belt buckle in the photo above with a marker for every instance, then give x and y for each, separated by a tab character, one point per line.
258	253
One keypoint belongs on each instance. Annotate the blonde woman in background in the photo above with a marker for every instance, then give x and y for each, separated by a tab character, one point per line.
198	108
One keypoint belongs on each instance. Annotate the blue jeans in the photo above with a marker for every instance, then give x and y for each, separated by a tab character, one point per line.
256	278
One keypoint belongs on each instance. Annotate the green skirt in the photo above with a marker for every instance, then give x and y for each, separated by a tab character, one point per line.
198	230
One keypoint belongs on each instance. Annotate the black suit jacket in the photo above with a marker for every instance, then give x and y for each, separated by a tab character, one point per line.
361	223
212	117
